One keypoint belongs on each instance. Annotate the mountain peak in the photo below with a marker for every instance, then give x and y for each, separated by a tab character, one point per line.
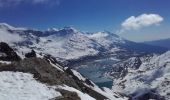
52	29
62	31
69	28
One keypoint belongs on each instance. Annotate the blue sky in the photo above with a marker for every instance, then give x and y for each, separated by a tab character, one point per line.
90	15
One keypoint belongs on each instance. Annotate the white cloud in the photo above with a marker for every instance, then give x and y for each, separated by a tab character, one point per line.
9	3
144	20
7	37
98	35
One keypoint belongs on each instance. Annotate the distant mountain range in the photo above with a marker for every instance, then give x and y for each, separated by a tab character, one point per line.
162	43
68	43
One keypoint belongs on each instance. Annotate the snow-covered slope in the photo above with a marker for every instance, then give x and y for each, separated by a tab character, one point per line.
144	77
70	46
107	39
22	86
111	95
66	43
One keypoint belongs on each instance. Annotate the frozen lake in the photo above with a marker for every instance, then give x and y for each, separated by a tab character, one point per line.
94	70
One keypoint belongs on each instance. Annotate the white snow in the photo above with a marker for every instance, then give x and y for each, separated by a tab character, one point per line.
107	92
98	35
152	74
78	75
5	62
56	66
106	39
83	96
73	45
22	86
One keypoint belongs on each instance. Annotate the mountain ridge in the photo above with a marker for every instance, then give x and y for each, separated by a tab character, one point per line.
68	41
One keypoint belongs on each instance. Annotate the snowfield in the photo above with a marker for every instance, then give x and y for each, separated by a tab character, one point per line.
22	86
83	96
152	74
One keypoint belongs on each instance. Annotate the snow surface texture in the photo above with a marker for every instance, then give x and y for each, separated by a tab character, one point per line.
22	86
83	96
153	73
105	39
78	75
110	94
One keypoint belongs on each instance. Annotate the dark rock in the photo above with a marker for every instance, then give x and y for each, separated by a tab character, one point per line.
120	69
10	55
148	96
30	54
67	95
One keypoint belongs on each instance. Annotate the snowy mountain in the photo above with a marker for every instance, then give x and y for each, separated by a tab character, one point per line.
68	43
143	78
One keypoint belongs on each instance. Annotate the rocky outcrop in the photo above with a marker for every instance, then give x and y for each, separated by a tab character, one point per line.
150	95
42	71
121	69
30	54
67	95
7	53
